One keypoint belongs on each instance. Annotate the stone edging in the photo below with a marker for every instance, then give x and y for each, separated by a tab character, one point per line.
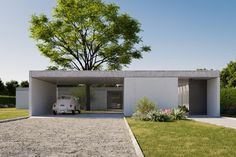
12	119
138	150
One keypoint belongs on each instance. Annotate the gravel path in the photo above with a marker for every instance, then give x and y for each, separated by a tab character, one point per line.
83	135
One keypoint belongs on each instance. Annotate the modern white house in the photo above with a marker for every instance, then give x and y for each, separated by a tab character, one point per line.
199	90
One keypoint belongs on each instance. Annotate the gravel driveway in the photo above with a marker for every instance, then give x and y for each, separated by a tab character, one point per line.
79	135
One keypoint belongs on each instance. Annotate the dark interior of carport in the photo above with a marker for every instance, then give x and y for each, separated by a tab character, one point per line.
193	94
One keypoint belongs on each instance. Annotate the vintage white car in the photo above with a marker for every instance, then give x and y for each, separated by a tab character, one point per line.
65	104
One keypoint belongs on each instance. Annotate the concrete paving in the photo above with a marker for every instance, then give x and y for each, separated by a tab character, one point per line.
220	121
67	135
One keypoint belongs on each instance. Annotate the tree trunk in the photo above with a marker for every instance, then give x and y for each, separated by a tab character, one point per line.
87	88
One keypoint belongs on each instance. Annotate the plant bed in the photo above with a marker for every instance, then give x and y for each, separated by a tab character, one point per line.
147	111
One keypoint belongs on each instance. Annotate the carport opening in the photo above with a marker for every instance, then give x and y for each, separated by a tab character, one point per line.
106	93
192	93
103	97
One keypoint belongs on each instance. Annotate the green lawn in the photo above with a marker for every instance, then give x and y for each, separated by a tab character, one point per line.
183	138
8	113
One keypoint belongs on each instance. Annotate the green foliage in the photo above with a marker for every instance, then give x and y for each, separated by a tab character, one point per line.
153	115
161	116
165	116
24	84
228	75
228	100
88	35
4	100
179	113
141	116
145	105
2	88
146	111
52	68
80	93
183	108
11	87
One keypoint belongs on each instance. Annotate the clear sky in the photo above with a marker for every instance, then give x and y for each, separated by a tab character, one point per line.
183	34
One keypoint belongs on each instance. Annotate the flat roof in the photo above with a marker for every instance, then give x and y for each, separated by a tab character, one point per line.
116	77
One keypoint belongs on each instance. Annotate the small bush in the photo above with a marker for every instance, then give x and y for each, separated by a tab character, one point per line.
5	100
179	114
146	111
153	116
183	108
140	116
161	116
165	116
145	106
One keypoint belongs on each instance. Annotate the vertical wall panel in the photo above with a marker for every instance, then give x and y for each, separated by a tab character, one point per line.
213	97
162	91
42	96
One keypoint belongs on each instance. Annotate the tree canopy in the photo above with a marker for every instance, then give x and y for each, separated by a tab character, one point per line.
24	84
88	35
228	75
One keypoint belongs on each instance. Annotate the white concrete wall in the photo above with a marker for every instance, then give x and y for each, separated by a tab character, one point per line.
22	98
183	95
42	96
99	98
213	97
162	91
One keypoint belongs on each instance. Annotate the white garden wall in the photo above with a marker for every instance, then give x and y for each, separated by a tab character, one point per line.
162	91
22	98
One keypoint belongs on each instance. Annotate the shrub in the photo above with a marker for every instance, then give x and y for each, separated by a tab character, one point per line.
183	108
179	114
153	115
165	116
5	100
161	116
140	116
146	111
145	106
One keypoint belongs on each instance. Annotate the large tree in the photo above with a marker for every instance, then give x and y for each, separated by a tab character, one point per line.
228	75
24	84
88	35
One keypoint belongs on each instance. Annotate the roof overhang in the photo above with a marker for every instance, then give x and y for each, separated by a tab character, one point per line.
115	77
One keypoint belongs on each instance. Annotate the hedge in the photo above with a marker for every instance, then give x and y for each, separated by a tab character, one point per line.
7	99
228	100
